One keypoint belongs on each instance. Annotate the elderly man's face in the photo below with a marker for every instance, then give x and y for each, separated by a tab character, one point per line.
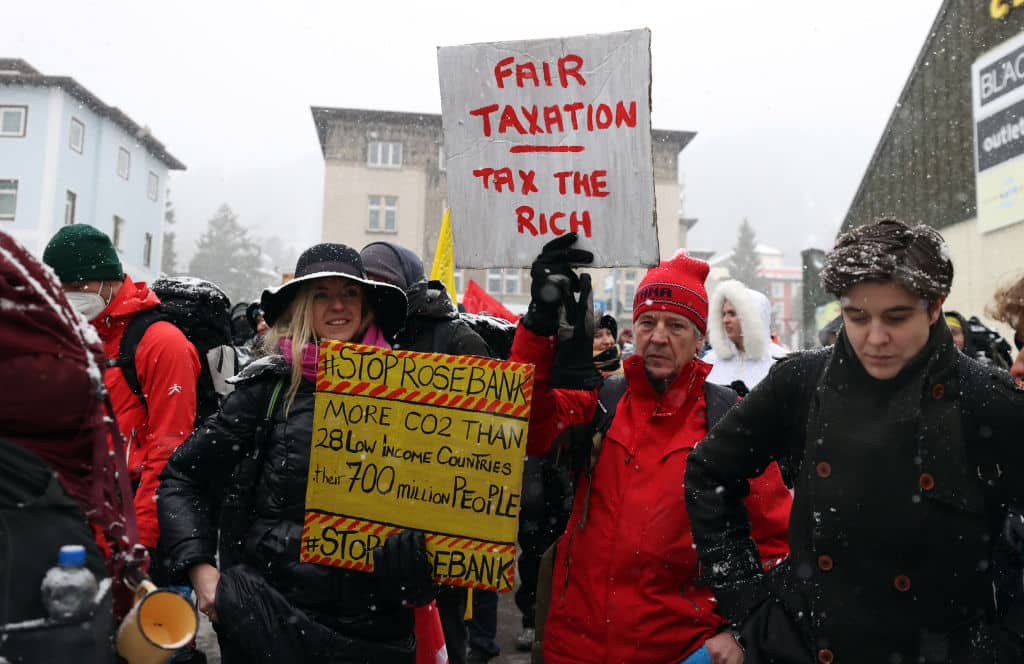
667	342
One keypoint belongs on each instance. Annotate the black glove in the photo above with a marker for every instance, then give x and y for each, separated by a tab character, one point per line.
552	266
402	568
574	355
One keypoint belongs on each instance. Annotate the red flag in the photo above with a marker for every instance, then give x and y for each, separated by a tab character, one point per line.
477	301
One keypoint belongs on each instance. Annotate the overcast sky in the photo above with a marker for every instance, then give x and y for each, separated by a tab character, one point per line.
788	98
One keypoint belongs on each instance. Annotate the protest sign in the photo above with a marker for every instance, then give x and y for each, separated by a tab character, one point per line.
546	137
417	440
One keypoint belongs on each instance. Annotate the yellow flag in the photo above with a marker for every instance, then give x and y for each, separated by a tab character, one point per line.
444	257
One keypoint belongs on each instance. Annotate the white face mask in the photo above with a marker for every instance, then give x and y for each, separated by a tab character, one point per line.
90	305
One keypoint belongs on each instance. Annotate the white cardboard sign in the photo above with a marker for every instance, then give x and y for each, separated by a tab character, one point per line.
550	136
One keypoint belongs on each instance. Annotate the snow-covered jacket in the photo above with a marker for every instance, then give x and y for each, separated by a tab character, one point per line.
626	585
168	367
751	364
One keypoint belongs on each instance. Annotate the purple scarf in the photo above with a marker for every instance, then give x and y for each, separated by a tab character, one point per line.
372	337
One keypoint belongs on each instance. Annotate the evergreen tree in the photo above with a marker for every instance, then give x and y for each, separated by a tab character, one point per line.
227	256
745	263
169	257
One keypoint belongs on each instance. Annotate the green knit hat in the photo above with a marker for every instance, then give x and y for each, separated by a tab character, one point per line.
82	253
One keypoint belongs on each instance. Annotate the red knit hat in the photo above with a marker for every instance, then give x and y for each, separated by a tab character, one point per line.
677	285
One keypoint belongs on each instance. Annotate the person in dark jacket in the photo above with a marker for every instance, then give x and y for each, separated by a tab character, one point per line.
432	325
265	604
903	454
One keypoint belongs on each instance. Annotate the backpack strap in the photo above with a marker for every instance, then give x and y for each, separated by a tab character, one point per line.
130	339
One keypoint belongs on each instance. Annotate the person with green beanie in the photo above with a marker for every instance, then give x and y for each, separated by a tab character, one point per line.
167	364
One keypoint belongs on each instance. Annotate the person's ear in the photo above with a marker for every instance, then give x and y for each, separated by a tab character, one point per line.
935	310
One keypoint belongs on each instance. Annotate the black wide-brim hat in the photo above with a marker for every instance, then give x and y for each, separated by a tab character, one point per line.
387	302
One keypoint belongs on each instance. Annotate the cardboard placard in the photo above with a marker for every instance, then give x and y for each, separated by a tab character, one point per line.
550	136
417	440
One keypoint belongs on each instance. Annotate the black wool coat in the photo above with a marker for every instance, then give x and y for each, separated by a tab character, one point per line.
901	488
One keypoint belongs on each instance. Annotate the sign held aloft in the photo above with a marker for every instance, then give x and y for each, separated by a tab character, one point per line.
546	137
417	440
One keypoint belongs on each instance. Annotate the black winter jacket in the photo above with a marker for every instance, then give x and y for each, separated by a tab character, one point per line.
352	603
433	325
901	490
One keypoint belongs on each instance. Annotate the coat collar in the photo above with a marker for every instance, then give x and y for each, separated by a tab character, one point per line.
688	383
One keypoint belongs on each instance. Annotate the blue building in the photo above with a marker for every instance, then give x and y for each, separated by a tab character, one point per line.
66	157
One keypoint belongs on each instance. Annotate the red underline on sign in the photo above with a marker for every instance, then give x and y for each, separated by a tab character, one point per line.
546	148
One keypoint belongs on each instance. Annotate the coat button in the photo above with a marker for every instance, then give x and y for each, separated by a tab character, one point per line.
901	583
938	390
825	656
825	563
926	481
824	469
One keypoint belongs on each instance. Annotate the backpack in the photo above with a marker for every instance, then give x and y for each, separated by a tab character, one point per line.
201	310
986	345
497	333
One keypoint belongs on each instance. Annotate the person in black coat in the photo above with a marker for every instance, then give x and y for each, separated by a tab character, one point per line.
266	605
904	456
432	325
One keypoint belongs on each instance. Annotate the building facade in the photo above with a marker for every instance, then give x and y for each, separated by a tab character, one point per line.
385	180
923	169
66	157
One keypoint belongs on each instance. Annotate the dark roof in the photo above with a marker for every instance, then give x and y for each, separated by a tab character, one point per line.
322	117
922	170
18	72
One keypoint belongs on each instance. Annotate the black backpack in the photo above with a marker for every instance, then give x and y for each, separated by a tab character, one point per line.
986	345
202	311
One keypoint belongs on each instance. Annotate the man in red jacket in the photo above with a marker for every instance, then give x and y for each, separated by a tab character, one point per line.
90	272
626	585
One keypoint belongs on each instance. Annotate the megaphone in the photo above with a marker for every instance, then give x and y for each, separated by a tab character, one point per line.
160	623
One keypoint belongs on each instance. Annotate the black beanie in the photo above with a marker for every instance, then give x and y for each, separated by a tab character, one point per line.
608	322
393	263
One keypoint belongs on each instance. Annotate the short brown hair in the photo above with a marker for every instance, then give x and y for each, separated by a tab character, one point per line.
1009	304
889	250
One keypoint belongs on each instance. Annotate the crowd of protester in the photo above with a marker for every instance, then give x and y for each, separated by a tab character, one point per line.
692	491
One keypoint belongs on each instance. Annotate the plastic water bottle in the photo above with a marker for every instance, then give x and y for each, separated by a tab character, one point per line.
69	588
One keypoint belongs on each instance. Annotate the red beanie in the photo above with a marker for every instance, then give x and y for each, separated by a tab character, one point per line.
677	285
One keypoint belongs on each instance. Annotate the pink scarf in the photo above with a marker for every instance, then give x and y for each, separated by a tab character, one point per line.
372	337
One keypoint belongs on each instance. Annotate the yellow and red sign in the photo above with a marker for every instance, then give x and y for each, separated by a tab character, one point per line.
417	440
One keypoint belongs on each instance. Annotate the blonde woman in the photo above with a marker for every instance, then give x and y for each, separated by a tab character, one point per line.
265	605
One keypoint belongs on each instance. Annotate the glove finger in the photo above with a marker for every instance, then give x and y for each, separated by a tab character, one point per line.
585	308
579	256
560	243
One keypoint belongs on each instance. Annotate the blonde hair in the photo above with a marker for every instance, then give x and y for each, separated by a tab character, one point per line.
296	324
1009	304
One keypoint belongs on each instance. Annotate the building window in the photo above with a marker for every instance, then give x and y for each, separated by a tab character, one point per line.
147	249
458	281
383	213
13	120
124	162
778	289
76	136
70	203
8	198
629	277
153	186
442	159
512	281
118	232
384	155
494	281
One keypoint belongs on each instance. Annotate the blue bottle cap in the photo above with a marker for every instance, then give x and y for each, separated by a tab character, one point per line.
71	555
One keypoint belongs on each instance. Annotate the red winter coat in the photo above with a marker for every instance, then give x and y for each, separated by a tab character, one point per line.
168	367
624	587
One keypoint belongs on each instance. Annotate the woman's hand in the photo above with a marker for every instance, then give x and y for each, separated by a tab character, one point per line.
205	578
724	649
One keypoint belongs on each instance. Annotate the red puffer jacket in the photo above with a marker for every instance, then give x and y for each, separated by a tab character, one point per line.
168	367
624	587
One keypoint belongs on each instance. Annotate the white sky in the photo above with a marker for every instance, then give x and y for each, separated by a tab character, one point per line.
788	98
